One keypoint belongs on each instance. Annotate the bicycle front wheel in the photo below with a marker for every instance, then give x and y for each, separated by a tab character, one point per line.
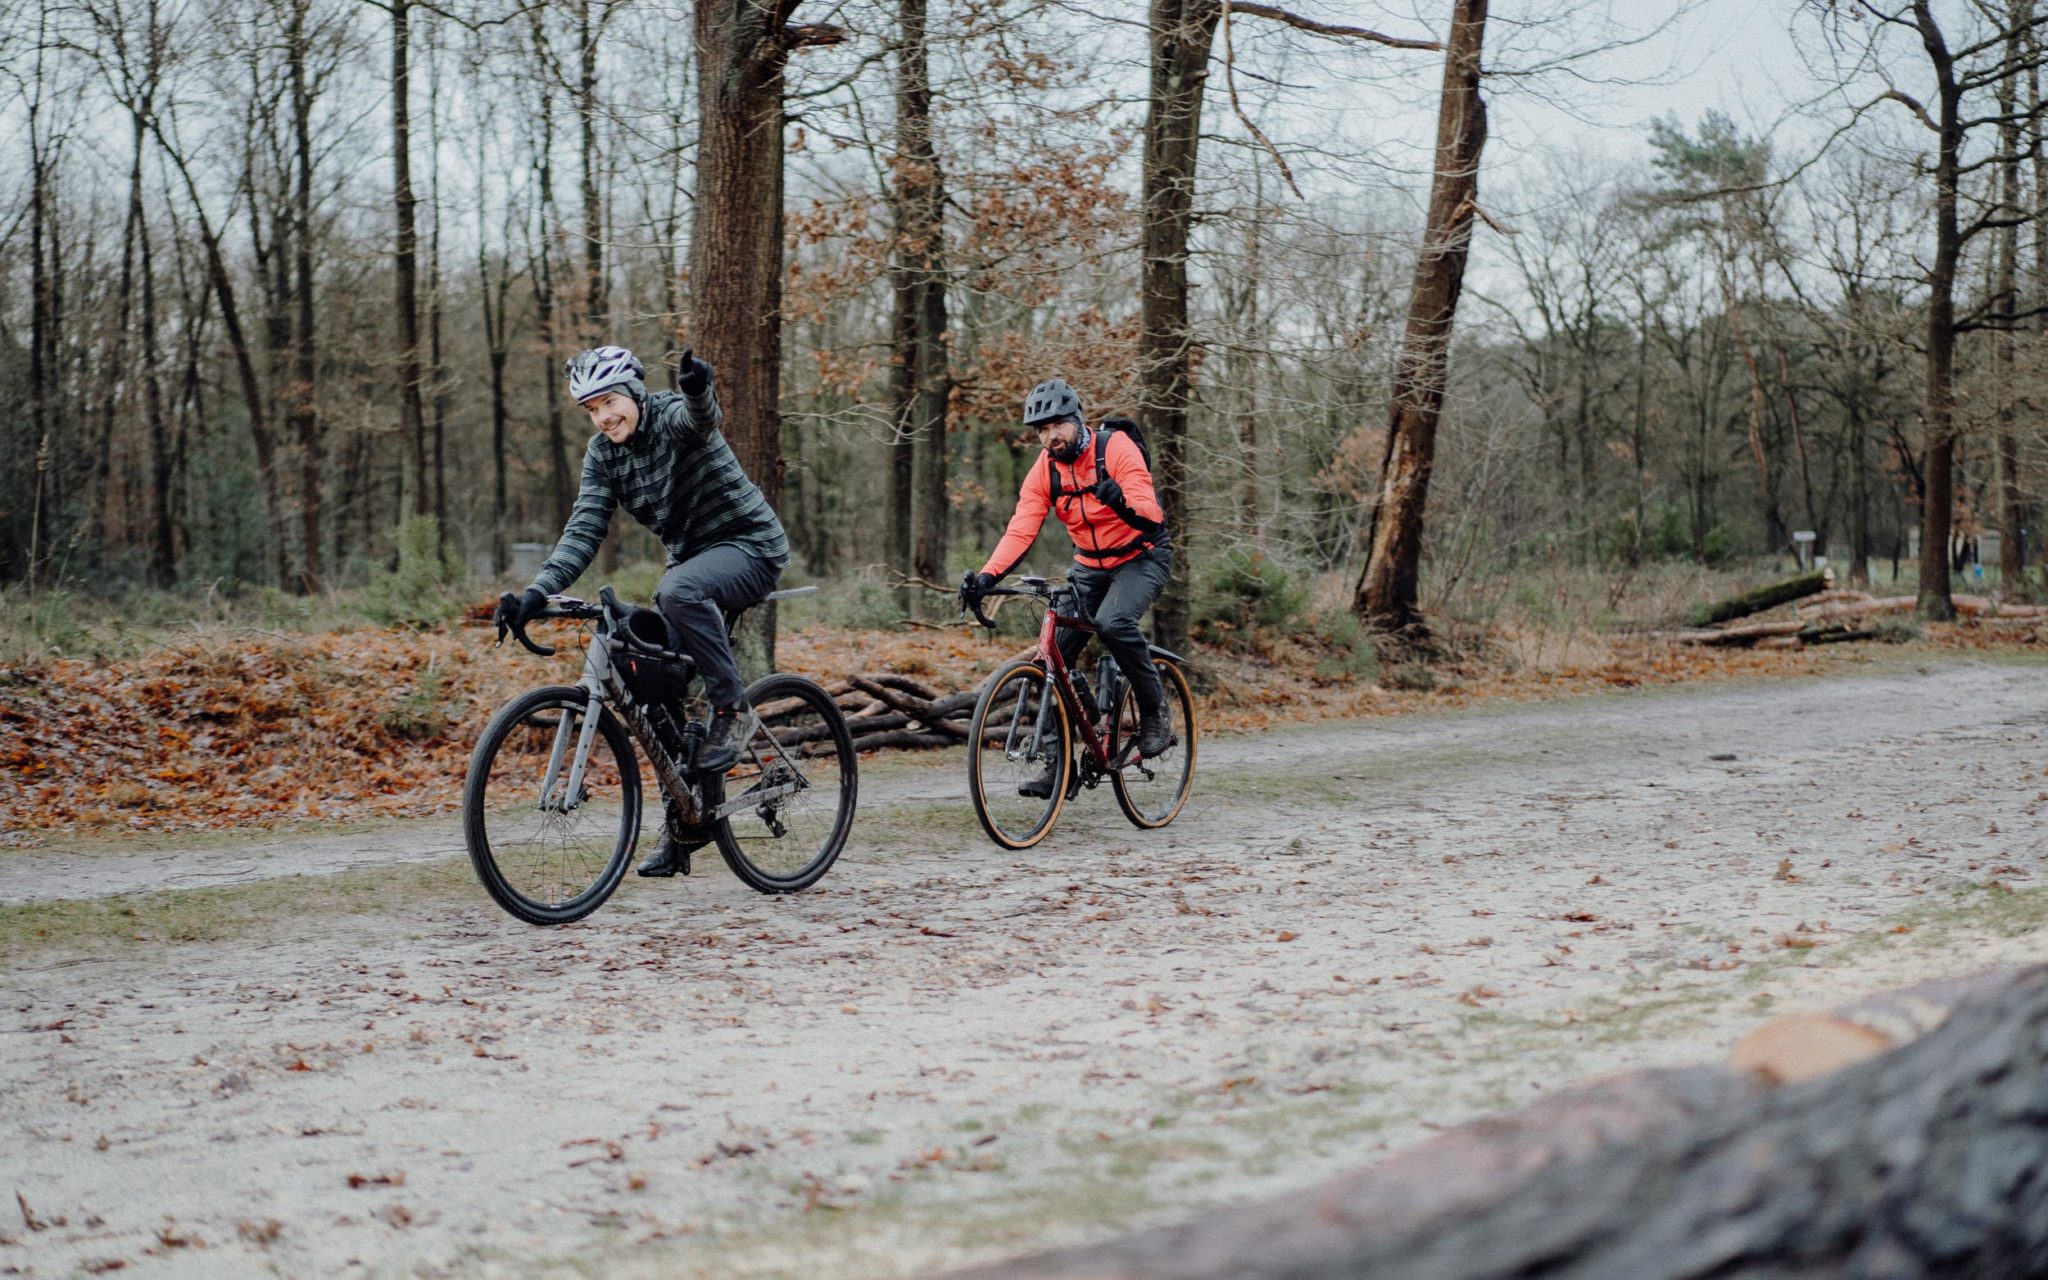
1016	740
1152	791
800	779
545	854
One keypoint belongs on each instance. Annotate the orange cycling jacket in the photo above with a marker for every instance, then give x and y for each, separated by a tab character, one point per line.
1101	538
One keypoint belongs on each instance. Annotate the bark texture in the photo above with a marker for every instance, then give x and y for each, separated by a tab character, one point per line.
405	273
736	250
1388	590
1937	414
1923	1162
1182	33
921	379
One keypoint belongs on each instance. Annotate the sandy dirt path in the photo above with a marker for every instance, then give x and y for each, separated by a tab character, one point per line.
1355	934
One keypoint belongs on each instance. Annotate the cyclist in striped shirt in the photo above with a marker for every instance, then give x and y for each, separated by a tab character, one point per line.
660	456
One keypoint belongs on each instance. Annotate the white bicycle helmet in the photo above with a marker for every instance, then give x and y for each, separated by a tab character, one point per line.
602	369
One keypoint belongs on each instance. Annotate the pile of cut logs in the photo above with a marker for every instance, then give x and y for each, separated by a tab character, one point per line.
1824	615
885	712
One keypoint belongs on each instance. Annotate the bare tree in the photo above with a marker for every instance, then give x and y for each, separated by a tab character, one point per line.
1386	596
1983	61
743	47
921	379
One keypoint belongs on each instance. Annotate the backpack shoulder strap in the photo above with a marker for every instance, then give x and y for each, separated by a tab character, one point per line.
1148	529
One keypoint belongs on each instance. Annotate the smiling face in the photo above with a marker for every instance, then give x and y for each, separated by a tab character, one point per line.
1059	437
614	414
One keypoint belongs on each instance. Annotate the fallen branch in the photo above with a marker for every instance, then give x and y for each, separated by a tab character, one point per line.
902	740
1861	608
1762	598
1742	636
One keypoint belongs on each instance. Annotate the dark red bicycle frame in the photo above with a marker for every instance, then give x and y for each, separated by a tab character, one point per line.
1083	718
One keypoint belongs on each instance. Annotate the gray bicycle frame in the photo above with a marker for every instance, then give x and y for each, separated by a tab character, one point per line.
601	682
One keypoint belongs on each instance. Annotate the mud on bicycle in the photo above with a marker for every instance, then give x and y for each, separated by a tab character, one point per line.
552	808
1035	708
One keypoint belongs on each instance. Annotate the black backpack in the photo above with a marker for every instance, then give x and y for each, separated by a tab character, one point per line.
1149	531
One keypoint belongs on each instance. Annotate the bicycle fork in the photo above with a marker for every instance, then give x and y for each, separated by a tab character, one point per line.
573	793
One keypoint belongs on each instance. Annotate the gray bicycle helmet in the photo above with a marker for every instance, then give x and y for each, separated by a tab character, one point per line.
602	369
1050	401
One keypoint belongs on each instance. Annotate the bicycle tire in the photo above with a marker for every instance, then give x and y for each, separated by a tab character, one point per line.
807	741
994	773
557	874
1145	804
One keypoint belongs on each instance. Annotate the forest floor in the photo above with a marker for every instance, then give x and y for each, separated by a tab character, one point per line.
330	1054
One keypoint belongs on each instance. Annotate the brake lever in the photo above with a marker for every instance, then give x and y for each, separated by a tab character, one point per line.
519	634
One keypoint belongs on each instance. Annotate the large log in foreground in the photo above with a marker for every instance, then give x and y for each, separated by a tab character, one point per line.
1930	1160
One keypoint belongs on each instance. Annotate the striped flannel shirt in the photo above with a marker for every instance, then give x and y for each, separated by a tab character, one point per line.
677	476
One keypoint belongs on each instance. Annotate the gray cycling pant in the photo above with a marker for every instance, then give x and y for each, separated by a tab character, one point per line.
695	596
1115	599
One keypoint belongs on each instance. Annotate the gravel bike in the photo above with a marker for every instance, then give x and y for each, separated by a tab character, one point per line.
551	810
1034	704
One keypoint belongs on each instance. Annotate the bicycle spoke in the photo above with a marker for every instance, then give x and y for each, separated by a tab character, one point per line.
550	847
785	820
1018	729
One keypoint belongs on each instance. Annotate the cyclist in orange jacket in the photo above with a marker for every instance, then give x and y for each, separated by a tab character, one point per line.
1099	484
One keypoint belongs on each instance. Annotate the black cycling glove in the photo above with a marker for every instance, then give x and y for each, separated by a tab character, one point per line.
695	376
973	586
517	611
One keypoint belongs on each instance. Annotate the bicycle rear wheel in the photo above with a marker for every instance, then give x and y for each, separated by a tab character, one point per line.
799	771
1151	792
544	855
1019	724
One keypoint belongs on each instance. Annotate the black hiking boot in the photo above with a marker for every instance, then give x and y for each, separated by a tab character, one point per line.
1155	733
1040	785
672	852
721	747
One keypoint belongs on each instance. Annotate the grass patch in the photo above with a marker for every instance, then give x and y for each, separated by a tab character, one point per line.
178	916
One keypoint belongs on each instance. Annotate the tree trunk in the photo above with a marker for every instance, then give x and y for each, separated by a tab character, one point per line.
112	400
412	415
736	250
436	297
1921	1162
260	428
497	344
919	197
303	412
595	301
2011	509
1388	591
1182	32
1938	411
543	273
163	560
903	401
39	302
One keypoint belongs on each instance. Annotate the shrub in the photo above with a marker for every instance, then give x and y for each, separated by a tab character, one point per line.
422	591
1246	588
1348	649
